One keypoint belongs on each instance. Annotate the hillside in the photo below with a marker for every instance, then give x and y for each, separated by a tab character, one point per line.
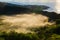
12	14
10	9
28	22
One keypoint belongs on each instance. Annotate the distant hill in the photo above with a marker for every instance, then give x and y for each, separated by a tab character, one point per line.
12	9
8	8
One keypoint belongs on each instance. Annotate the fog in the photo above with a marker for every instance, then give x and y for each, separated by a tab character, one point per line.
22	22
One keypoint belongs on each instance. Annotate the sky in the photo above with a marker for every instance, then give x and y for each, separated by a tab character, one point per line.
51	3
57	6
44	1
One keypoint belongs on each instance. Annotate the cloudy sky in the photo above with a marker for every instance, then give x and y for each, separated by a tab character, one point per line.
51	3
44	1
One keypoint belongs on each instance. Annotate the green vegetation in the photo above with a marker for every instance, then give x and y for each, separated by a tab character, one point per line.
42	33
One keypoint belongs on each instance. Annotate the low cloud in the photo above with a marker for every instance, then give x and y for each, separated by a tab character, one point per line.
21	22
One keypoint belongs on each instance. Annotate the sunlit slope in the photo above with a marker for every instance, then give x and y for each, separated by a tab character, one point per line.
22	22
